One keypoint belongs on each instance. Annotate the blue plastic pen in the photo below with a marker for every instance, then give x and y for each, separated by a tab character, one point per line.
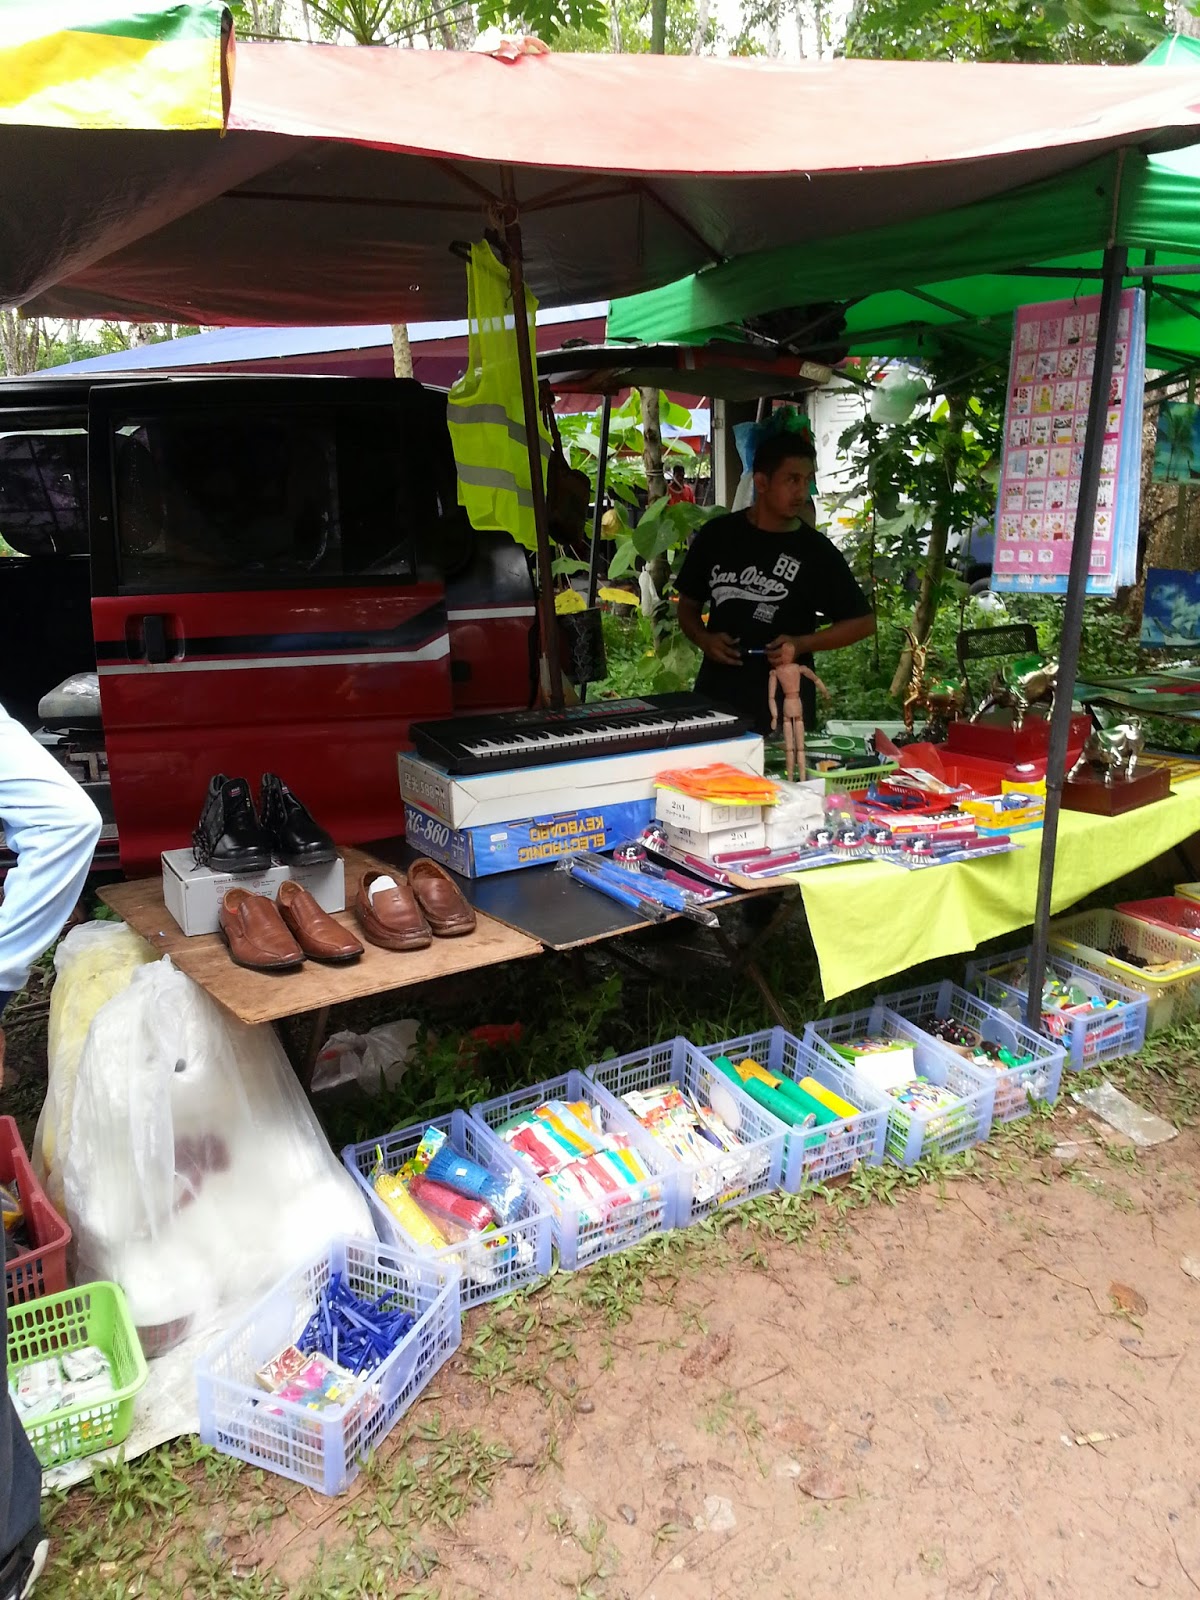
614	891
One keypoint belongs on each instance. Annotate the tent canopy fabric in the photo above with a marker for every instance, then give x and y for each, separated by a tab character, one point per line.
102	64
956	273
346	173
111	119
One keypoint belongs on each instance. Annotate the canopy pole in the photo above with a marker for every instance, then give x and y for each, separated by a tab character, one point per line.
598	513
1072	629
533	440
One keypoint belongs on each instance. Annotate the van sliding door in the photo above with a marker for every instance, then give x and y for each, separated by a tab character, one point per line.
259	604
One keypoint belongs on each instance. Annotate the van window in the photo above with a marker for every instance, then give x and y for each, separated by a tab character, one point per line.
213	499
43	492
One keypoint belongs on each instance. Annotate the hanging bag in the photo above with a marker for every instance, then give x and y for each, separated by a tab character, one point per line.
568	490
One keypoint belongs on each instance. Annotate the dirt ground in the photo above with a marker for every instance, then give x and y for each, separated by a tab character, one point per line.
946	1400
986	1385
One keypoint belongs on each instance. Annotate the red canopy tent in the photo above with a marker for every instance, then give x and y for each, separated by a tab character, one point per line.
345	173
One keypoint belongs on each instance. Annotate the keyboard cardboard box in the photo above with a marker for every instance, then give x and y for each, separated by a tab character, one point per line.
531	842
485	798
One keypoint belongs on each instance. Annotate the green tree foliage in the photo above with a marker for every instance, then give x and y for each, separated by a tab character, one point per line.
1006	30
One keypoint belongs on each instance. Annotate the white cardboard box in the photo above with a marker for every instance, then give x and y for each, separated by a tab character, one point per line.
703	816
193	894
726	840
483	798
800	810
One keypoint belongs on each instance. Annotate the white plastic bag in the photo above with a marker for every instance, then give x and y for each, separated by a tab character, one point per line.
196	1172
93	963
799	809
898	396
370	1060
743	495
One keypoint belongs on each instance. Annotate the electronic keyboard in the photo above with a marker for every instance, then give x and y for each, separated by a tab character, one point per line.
604	728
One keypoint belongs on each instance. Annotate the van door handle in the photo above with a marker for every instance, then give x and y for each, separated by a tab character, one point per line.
157	646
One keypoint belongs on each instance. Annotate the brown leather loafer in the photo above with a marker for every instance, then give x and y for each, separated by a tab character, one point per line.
440	898
255	932
313	929
393	919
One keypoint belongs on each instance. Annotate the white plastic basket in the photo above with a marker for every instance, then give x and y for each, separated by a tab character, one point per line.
731	1176
912	1135
585	1234
1104	1036
488	1270
820	1154
325	1449
1016	1087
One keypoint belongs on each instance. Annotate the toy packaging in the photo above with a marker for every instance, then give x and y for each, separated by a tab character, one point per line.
694	1133
885	1064
583	1166
78	1377
441	1198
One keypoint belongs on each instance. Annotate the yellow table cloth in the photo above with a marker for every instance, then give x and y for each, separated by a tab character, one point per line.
874	919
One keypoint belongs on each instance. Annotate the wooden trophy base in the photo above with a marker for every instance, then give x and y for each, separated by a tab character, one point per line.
1089	792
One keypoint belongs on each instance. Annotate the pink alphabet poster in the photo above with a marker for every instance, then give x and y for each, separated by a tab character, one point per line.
1045	422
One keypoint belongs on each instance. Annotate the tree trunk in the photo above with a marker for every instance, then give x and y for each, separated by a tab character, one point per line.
402	362
699	36
658	27
652	451
656	486
20	342
939	532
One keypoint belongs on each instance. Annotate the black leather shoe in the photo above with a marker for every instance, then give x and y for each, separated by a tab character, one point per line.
295	837
230	838
21	1570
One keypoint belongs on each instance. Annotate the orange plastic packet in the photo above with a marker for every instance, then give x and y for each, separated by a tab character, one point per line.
720	782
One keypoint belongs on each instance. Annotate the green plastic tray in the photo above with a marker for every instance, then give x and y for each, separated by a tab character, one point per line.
855	778
93	1314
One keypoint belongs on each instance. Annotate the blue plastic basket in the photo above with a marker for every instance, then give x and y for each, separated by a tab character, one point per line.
488	1270
915	1135
1016	1087
823	1153
1119	1031
326	1449
585	1234
730	1178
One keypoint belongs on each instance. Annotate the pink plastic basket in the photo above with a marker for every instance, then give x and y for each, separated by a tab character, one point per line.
1167	911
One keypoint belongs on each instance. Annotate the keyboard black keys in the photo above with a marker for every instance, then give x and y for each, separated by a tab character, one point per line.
540	737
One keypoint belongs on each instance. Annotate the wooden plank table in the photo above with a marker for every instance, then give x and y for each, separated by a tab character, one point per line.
566	916
313	988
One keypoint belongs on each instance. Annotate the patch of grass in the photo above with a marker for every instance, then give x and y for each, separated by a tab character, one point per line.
441	1472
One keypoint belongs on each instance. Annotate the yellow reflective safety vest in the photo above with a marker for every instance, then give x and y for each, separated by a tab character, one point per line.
485	411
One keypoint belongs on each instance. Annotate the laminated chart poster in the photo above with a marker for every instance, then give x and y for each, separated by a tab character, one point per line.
1045	422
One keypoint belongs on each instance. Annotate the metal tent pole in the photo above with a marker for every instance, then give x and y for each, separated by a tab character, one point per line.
533	440
598	514
1115	258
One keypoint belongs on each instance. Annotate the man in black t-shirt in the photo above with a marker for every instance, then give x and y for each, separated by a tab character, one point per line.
768	579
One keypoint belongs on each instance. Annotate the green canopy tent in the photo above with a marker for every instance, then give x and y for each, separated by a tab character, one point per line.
958	276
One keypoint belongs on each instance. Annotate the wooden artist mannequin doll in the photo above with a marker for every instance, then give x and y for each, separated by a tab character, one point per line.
787	677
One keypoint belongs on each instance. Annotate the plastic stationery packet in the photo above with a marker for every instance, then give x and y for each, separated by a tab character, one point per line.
720	782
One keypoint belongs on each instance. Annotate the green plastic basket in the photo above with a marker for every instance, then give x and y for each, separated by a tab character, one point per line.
92	1314
842	782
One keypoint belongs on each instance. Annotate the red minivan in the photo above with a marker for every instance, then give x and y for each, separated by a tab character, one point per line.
277	578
